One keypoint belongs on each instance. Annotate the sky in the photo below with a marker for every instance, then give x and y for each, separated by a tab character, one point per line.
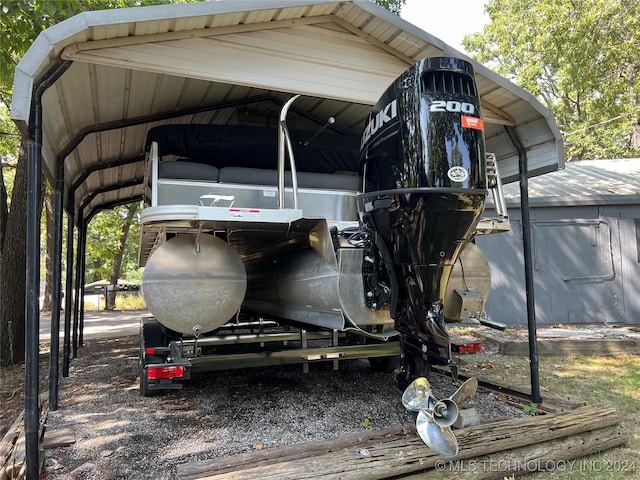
449	20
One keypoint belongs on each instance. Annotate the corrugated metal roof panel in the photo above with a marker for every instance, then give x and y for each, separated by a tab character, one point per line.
136	68
583	181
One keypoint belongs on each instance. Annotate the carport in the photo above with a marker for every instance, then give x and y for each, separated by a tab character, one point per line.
90	88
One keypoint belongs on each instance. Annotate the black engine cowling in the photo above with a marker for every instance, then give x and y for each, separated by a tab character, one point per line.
422	158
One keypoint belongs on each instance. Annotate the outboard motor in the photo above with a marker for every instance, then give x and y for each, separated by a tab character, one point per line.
423	166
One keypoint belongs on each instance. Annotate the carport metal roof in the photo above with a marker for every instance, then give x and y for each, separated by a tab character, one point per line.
585	182
115	74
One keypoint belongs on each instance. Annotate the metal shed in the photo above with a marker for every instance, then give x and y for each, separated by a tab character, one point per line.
89	89
585	223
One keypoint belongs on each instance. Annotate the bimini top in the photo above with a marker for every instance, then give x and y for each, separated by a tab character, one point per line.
112	75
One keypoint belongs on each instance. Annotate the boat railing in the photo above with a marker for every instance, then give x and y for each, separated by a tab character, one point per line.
284	146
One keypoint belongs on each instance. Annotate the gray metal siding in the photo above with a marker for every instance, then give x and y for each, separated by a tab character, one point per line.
585	261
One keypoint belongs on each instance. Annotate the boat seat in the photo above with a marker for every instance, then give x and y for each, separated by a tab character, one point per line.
258	176
182	170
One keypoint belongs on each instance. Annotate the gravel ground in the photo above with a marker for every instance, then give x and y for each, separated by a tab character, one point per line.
120	435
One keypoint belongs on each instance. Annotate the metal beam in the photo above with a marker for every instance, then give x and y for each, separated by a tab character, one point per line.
110	188
78	310
69	304
528	263
56	274
32	338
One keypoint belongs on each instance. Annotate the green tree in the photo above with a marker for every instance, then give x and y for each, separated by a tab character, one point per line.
107	245
580	59
394	6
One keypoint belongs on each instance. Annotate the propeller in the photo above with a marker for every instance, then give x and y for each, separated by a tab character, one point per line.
435	416
465	393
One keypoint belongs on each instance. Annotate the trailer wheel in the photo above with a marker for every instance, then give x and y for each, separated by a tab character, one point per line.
409	368
144	383
384	364
151	335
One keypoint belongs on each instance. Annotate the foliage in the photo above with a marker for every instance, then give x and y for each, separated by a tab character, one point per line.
130	302
580	59
21	22
531	409
394	6
9	138
102	241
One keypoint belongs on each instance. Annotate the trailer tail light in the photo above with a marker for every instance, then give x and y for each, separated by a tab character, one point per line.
468	348
162	351
159	373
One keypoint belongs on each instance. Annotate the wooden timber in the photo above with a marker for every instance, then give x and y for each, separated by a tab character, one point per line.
292	453
565	348
399	453
13	445
58	438
8	446
554	455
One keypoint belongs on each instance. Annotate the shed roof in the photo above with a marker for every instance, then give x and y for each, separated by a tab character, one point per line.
586	182
125	71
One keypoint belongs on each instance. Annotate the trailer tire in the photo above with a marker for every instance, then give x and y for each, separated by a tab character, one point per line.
384	364
151	335
409	368
145	391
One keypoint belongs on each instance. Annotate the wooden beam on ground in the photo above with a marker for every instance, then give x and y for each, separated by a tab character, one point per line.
7	447
565	348
552	456
58	438
13	446
573	347
401	455
290	453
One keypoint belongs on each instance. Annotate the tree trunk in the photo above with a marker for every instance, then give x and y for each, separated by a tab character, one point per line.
13	276
48	276
110	298
4	211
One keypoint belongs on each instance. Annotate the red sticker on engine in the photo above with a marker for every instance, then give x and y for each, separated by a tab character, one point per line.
472	122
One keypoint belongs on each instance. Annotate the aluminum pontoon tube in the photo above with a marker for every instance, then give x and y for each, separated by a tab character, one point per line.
194	283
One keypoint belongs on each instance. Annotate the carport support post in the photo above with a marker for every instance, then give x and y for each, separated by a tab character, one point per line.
528	263
83	269
32	312
78	297
70	302
32	337
56	274
78	312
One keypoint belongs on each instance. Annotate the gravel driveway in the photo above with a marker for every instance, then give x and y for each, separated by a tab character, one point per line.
121	435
